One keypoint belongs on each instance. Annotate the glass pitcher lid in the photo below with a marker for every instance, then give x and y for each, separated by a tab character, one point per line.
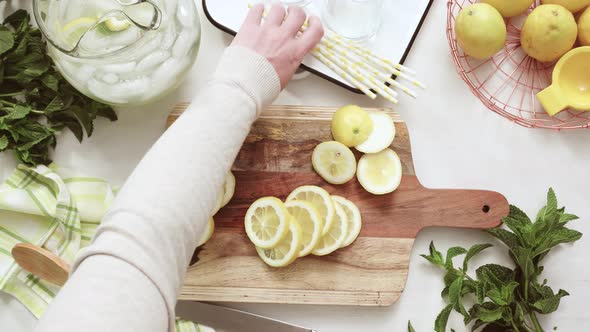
94	28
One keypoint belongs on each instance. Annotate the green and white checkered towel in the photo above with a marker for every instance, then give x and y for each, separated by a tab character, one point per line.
56	209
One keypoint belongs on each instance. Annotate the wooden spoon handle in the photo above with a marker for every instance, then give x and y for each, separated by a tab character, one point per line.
466	208
42	263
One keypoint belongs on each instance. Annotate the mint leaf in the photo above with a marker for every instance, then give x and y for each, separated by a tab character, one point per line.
3	142
455	290
550	303
486	312
410	327
6	39
508	238
18	112
495	275
435	256
440	324
453	252
550	211
564	218
474	250
523	257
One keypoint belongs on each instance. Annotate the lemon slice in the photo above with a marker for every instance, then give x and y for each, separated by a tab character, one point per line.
353	215
286	251
116	24
382	135
208	232
228	188
336	235
267	222
334	162
75	29
309	221
380	173
320	199
219	202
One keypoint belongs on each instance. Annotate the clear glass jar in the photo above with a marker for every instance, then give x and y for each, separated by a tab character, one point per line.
121	52
357	20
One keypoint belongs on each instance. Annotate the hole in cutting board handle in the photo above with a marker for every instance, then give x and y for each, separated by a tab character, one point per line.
485	208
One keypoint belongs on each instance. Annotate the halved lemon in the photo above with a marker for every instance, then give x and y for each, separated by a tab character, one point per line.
286	251
353	215
320	199
380	173
228	188
210	228
382	135
309	221
334	162
267	222
335	236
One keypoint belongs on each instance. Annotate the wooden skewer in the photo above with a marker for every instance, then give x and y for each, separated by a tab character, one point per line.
42	263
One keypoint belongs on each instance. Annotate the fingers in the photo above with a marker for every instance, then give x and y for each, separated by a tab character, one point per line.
275	16
255	15
294	20
312	36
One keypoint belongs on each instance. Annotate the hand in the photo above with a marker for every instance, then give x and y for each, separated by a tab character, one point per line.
279	39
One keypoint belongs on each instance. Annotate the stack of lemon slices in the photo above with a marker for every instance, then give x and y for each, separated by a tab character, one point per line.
311	221
225	195
379	170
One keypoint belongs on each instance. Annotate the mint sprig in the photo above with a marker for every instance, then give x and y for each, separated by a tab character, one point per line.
36	101
506	299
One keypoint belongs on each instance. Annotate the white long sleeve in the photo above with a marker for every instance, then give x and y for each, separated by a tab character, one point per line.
128	279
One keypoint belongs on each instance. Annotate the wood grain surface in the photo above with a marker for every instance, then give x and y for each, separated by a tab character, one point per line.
275	159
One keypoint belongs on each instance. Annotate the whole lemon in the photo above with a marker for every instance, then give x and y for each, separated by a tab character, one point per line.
510	8
549	32
584	28
351	125
571	5
480	30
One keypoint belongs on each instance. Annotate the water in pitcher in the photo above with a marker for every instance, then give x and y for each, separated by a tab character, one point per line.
122	52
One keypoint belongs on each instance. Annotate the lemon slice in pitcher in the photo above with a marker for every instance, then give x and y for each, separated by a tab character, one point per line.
380	173
334	162
333	239
310	223
286	251
267	222
75	29
320	199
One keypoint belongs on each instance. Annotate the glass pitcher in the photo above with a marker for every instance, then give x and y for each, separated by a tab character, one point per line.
121	52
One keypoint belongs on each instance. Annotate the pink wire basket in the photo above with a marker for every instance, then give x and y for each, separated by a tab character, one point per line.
508	82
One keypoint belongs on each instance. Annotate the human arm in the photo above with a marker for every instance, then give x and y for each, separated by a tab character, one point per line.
128	279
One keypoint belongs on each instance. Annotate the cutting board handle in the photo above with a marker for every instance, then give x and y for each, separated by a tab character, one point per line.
465	208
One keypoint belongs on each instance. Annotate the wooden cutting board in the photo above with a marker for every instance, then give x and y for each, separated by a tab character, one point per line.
275	159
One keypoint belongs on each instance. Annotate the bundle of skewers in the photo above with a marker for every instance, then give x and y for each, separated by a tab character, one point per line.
362	68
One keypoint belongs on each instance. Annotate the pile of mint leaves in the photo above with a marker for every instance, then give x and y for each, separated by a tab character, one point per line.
504	298
36	101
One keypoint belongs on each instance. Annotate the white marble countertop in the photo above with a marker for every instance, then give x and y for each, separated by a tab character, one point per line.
457	143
